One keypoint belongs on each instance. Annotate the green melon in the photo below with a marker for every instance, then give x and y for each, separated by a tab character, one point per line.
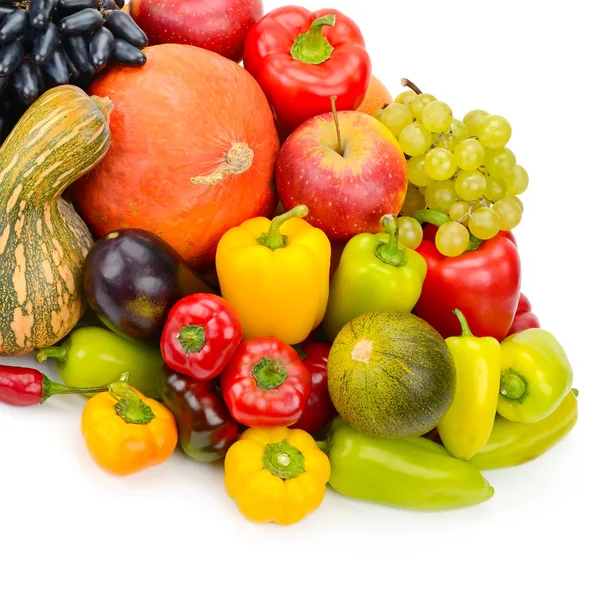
391	375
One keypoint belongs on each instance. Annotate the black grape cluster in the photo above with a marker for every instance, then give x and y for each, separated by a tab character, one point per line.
46	43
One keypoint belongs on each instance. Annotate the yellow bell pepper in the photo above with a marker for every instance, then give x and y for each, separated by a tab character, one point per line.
276	474
467	425
276	274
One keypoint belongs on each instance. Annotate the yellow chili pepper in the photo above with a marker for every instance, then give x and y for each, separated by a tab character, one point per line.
125	432
276	474
467	425
276	274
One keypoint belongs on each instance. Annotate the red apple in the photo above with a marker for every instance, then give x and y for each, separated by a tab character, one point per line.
217	25
346	193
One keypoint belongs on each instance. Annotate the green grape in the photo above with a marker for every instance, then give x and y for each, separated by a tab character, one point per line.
422	189
456	134
459	210
481	203
418	103
472	120
516	200
469	154
484	223
500	162
495	189
405	97
414	139
377	114
494	132
413	201
510	212
436	116
416	171
517	181
410	232
396	117
452	239
440	164
470	185
440	196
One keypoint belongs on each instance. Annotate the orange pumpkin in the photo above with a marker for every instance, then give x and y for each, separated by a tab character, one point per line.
193	151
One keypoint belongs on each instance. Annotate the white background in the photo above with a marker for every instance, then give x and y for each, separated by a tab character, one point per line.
69	530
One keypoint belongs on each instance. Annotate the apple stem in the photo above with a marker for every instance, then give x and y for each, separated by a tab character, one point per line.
409	84
337	124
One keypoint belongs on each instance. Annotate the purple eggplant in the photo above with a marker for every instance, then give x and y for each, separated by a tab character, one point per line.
132	278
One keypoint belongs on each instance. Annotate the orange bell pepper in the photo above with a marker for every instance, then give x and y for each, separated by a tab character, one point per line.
125	432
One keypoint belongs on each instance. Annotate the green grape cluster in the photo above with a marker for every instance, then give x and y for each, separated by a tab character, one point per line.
463	169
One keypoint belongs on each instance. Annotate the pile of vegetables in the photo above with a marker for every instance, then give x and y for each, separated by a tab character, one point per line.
335	338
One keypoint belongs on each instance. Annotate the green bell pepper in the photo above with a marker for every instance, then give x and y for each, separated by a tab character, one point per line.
411	473
93	357
536	376
512	443
375	273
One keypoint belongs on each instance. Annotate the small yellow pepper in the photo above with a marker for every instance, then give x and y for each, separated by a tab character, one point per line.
276	474
467	425
276	274
125	432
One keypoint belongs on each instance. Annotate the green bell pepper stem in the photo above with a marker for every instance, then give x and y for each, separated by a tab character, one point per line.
390	252
433	217
465	331
130	406
313	47
273	239
59	352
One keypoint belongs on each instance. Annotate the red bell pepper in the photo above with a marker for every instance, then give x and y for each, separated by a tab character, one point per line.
301	59
319	409
265	384
524	319
200	336
484	283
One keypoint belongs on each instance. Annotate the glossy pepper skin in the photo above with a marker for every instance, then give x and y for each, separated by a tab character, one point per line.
94	356
200	336
23	386
206	429
375	273
126	432
536	376
483	283
302	58
413	473
276	274
524	319
513	443
265	384
276	475
319	409
467	425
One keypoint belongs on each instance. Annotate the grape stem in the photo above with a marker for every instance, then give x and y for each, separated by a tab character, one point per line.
409	84
337	125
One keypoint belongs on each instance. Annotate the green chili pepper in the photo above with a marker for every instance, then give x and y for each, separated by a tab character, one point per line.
409	473
93	357
512	443
375	273
536	376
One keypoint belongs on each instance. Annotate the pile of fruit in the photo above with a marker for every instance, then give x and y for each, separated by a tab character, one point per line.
275	266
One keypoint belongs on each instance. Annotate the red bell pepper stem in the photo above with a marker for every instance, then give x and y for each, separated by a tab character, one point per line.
273	239
390	252
192	338
269	374
313	47
23	386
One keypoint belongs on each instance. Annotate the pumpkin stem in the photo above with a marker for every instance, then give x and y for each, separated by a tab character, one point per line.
105	105
236	161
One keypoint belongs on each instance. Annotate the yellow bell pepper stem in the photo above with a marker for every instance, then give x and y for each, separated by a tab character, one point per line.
276	274
273	239
467	425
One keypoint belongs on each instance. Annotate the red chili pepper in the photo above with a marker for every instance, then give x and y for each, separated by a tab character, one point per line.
301	59
200	336
484	284
319	409
22	386
524	319
265	384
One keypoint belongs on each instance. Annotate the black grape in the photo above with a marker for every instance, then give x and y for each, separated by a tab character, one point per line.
125	28
39	13
82	22
56	68
44	44
11	56
25	81
127	54
101	45
13	26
